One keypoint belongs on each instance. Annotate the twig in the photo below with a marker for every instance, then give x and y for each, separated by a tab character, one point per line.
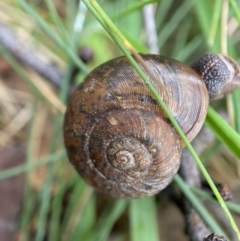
196	227
150	28
30	55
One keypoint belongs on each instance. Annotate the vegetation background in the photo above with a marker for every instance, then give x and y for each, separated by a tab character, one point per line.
42	197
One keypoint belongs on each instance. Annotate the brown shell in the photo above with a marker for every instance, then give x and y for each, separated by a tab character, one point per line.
117	136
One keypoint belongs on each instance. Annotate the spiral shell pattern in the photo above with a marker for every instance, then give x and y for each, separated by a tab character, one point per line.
117	136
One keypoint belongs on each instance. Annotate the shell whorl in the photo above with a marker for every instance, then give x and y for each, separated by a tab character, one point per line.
132	147
117	136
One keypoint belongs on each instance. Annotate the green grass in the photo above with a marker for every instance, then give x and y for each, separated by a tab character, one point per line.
65	208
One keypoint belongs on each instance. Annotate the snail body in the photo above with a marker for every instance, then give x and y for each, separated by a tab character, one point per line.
116	135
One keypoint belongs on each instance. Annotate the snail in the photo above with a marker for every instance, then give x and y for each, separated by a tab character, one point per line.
119	139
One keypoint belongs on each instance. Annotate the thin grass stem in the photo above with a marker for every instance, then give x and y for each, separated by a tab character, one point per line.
122	43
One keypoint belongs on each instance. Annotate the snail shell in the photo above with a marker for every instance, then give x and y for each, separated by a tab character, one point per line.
116	135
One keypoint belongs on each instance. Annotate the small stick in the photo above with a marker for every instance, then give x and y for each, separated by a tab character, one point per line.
30	55
196	227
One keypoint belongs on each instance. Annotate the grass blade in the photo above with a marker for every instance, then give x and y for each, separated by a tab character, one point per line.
140	211
223	131
236	106
107	220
